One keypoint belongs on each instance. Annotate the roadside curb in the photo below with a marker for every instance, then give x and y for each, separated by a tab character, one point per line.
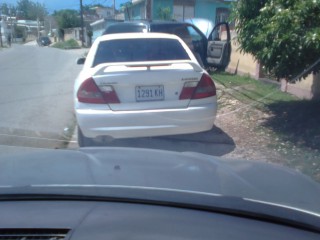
73	143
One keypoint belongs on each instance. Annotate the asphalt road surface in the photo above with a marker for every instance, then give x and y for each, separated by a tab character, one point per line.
36	103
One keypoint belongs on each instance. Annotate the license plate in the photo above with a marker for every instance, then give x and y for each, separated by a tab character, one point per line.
149	93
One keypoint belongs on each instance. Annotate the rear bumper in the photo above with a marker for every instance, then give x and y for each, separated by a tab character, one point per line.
145	123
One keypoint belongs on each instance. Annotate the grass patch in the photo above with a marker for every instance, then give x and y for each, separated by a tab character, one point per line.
251	91
292	123
229	80
70	44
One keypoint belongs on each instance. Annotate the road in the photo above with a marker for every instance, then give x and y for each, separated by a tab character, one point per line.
36	102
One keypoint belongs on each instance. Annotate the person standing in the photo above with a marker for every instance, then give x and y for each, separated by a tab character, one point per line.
9	40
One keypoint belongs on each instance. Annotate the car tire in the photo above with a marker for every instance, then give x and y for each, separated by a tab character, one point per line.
83	141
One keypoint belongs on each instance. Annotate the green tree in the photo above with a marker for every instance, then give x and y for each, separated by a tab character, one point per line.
164	13
4	9
283	35
8	10
67	18
30	10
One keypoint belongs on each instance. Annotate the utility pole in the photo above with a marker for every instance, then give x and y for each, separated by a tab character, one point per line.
82	24
11	23
148	9
114	9
38	27
1	44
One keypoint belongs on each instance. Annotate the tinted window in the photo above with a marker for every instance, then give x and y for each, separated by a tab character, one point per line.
178	30
125	28
194	34
128	50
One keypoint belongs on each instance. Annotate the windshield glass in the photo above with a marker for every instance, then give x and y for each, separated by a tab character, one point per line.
249	93
120	28
139	50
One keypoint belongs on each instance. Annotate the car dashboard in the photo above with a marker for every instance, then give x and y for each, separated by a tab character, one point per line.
113	220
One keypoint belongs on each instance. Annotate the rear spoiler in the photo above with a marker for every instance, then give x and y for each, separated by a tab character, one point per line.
101	68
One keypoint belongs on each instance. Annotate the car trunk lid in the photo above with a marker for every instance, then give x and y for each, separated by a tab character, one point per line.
147	85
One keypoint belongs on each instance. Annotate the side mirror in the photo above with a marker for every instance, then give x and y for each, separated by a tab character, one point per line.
81	61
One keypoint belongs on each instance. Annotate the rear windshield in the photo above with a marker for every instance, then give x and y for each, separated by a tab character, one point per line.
179	30
125	28
142	49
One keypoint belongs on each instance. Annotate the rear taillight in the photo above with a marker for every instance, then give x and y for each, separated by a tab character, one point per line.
197	90
188	90
205	88
109	94
89	92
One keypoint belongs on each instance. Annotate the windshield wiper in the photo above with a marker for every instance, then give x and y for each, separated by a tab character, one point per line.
234	206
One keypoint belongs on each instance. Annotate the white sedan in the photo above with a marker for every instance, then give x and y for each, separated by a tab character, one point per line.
142	85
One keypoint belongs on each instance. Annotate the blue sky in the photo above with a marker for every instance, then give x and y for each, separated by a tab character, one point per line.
73	4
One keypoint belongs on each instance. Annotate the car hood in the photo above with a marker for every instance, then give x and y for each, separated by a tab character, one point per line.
160	169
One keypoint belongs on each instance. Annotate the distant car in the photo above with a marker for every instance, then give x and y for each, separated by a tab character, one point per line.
130	193
142	85
44	41
212	50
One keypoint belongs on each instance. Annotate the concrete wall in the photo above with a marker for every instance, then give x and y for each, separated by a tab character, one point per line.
308	88
207	9
72	33
4	31
242	64
135	11
316	86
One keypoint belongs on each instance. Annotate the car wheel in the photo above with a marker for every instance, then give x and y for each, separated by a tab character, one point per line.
83	141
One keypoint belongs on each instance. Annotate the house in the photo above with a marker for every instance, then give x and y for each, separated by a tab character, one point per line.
106	16
99	26
5	30
215	10
105	12
98	18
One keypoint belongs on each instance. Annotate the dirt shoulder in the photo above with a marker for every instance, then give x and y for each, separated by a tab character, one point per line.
241	122
267	131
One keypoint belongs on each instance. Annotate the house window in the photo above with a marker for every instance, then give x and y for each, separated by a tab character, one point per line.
222	15
183	9
143	12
